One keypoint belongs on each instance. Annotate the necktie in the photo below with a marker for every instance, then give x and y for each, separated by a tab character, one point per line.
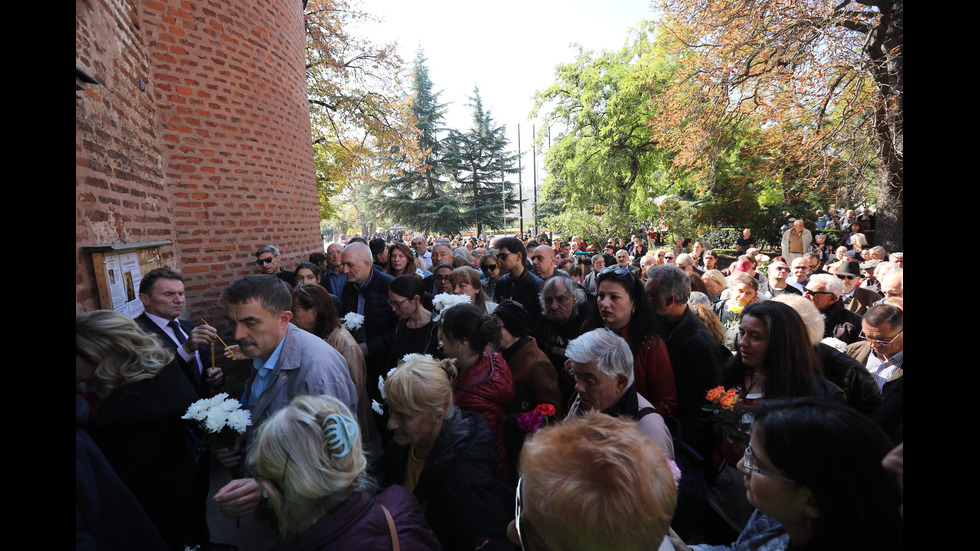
181	339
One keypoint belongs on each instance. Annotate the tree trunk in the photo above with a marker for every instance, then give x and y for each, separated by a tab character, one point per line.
888	69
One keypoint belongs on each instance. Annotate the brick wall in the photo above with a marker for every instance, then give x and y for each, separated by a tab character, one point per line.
217	151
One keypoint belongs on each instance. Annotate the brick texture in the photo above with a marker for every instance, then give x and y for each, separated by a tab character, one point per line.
198	133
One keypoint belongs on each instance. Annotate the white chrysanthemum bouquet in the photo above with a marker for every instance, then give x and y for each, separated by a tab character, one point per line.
445	301
220	419
353	322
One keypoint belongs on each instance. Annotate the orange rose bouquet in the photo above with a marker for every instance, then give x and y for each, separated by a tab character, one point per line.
726	420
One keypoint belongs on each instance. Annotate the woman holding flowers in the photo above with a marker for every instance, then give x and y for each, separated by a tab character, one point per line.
314	311
138	396
775	359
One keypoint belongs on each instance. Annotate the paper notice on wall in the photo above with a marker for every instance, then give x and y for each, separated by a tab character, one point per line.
123	277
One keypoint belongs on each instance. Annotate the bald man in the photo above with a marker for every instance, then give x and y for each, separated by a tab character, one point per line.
543	259
366	293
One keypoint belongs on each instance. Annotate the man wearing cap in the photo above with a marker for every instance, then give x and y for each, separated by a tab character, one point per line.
870	281
796	241
857	299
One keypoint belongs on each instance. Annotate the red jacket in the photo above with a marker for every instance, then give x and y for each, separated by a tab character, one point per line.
653	376
485	388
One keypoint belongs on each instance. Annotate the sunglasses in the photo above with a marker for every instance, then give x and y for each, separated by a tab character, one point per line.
262	261
489	267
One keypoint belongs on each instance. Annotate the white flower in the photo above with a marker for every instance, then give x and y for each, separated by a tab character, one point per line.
412	356
381	387
377	407
216	420
353	321
230	404
840	345
197	411
239	420
444	301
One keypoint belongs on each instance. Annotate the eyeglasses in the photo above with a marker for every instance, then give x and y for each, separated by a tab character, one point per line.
438	277
519	510
880	342
811	293
397	303
262	261
780	268
748	461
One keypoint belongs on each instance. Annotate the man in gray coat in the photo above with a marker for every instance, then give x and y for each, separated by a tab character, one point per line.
286	362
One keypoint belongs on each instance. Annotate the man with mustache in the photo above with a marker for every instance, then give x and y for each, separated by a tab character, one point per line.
286	362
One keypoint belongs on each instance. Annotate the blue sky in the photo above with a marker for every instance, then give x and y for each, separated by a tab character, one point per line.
509	48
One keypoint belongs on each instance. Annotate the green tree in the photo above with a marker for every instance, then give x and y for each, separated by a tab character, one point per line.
357	107
418	196
824	79
604	153
480	162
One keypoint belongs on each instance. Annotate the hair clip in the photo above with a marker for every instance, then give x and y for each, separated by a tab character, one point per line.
341	435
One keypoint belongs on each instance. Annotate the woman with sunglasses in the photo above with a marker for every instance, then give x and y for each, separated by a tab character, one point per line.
415	332
559	507
310	460
813	472
314	311
491	271
624	308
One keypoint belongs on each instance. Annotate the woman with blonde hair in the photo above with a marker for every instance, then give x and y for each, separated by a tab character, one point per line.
139	396
309	457
445	456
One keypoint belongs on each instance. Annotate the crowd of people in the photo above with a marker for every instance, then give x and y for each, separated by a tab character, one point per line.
515	393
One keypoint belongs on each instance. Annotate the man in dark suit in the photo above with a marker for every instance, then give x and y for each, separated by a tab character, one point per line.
162	295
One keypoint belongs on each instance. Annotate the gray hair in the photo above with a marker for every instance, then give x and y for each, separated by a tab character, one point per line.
885	268
697	297
812	318
684	259
267	249
570	288
878	249
607	349
671	281
830	283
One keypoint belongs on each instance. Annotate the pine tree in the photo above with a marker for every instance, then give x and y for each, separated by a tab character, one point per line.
480	161
419	197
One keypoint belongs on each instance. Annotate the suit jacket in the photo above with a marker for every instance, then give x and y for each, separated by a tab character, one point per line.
861	300
185	367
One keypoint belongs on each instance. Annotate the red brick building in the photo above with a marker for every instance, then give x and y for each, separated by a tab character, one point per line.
197	133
